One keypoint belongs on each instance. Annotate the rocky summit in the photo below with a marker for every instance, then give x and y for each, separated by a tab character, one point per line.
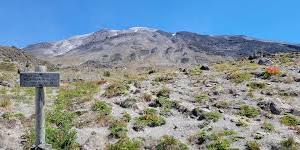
174	91
140	45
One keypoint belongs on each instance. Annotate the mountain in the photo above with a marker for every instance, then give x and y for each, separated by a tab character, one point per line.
142	45
20	58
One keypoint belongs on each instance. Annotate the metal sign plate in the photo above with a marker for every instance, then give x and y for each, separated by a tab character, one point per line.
39	79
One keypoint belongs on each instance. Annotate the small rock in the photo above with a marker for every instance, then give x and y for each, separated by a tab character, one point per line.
264	61
204	67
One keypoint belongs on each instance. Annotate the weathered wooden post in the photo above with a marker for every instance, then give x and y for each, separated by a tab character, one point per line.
39	79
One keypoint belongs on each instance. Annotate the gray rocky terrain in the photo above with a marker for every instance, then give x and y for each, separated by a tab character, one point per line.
145	45
145	89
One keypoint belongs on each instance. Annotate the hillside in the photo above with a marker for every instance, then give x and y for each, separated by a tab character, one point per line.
230	105
19	57
140	45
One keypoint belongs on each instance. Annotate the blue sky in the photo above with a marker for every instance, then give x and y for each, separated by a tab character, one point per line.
24	22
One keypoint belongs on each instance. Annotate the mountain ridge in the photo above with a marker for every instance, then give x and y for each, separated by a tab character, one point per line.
142	44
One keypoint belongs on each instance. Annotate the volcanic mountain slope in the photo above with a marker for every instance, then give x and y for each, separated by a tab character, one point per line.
145	45
19	57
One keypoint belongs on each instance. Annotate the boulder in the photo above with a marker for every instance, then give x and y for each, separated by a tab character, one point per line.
204	67
264	61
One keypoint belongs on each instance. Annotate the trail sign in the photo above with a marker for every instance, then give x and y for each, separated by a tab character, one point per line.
39	80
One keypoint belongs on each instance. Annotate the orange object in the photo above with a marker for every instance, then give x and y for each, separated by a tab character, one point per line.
273	70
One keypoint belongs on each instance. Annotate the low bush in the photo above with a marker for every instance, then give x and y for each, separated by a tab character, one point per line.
289	120
199	98
106	73
102	107
116	89
170	143
239	77
164	92
118	129
249	111
252	145
150	118
5	102
215	116
257	85
126	144
268	127
289	144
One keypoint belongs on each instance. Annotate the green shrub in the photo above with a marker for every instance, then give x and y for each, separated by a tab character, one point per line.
102	107
147	97
219	144
215	116
118	128
289	144
170	143
116	89
126	144
150	118
222	104
268	127
257	85
106	73
289	120
76	90
164	79
5	102
201	98
196	71
249	111
164	92
252	145
126	117
59	132
239	77
165	105
8	66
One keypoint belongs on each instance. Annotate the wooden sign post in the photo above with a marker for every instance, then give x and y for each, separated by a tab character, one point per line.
39	79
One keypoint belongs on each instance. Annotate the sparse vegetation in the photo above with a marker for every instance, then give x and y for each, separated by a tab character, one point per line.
5	102
289	120
257	85
102	107
239	76
199	98
214	116
126	144
164	92
118	129
150	118
249	111
116	89
289	144
268	127
170	143
253	145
